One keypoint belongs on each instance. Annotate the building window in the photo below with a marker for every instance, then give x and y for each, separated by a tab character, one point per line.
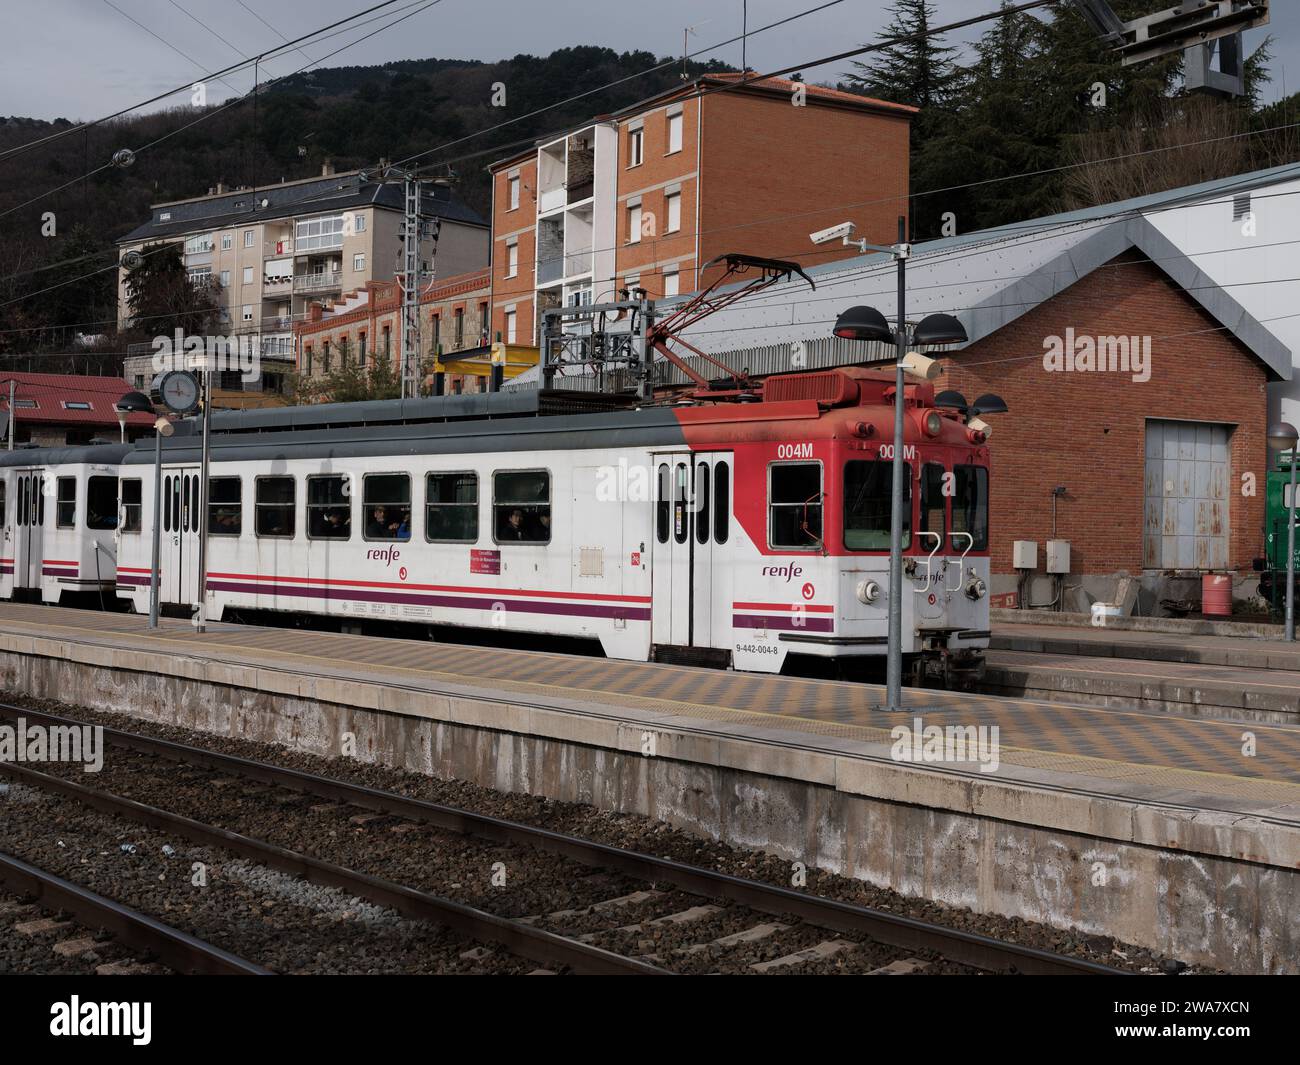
65	514
199	275
521	506
388	340
388	506
225	506
460	328
484	325
198	245
307	354
247	312
248	275
131	505
314	234
634	223
359	223
673	209
248	238
76	404
164	216
794	495
361	349
225	278
451	508
512	258
227	241
325	352
671	284
359	261
275	511
512	183
511	326
675	133
435	322
635	146
329	508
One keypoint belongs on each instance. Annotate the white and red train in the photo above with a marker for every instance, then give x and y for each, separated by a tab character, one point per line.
737	532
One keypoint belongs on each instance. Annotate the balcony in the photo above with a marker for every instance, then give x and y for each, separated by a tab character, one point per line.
277	324
550	269
277	346
329	281
277	284
272	249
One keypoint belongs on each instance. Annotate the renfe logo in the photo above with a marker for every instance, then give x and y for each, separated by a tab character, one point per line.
789	572
386	555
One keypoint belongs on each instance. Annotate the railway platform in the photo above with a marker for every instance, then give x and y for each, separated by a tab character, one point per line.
1176	832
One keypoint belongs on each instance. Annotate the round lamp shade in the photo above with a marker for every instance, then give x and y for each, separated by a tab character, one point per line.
863	323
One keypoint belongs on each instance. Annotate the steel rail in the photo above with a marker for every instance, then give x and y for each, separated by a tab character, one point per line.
967	948
176	949
515	936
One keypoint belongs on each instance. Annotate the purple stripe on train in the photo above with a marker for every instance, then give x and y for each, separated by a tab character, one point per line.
782	621
592	610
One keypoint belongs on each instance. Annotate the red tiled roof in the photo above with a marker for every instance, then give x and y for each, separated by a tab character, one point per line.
50	391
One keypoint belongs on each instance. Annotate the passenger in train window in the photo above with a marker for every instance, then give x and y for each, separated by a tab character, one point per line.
383	527
404	526
514	527
544	526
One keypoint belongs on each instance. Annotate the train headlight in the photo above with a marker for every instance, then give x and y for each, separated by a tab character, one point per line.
975	588
868	591
933	423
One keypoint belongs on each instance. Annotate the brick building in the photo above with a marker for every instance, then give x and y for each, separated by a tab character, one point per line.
645	197
1151	433
366	325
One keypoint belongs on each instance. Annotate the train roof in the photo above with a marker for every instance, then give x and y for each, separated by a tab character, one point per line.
57	456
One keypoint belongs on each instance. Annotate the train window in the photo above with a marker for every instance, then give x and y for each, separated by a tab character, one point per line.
868	487
175	498
65	512
131	505
970	507
225	508
195	518
664	504
680	492
387	504
934	504
521	506
721	502
101	503
38	488
274	507
167	505
702	502
329	508
20	518
451	508
4	513
794	495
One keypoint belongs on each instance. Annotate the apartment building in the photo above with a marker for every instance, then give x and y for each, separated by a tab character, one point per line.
646	197
366	325
279	251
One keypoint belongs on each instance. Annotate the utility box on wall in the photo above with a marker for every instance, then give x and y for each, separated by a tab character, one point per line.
1024	554
1058	556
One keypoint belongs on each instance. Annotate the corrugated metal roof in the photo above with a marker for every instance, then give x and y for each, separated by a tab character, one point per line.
51	392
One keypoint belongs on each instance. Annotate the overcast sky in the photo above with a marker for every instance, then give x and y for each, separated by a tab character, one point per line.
81	59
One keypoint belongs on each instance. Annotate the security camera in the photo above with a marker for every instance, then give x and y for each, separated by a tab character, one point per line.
840	232
920	367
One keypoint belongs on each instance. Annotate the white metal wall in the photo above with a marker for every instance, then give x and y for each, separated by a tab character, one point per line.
1186	508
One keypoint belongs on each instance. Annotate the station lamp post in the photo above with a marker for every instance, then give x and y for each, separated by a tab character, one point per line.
139	403
1282	436
867	323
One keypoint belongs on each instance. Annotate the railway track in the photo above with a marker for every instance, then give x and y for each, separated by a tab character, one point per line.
709	912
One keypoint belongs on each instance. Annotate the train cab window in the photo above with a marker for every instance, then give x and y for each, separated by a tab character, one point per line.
702	502
868	486
451	508
65	512
970	507
934	505
387	506
225	506
274	513
721	502
521	506
131	505
101	503
794	497
663	503
329	508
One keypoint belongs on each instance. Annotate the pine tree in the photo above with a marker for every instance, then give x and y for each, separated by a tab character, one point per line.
918	70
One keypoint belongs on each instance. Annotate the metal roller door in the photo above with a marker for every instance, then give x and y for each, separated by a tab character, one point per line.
1186	507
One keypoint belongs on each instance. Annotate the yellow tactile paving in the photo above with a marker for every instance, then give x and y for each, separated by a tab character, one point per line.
1188	754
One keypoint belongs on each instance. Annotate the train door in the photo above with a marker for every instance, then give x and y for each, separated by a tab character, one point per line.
29	528
179	562
685	609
